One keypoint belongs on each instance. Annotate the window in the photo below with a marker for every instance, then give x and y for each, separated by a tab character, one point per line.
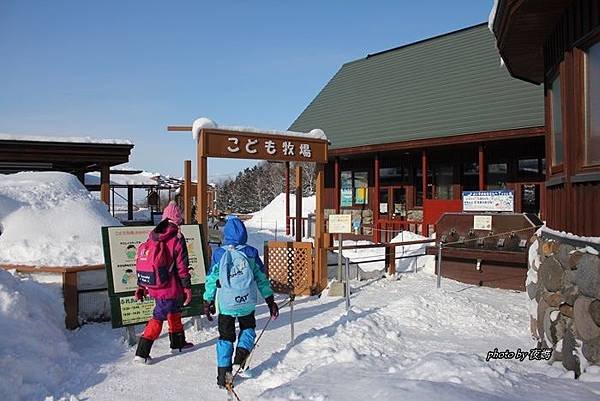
529	168
443	178
354	188
470	176
497	176
557	131
592	94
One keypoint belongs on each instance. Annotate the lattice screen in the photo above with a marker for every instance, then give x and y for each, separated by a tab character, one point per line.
290	266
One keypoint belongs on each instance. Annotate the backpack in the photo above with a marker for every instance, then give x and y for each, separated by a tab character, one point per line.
238	287
153	264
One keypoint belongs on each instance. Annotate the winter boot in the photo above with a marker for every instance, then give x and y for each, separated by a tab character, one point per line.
178	342
142	354
222	374
241	356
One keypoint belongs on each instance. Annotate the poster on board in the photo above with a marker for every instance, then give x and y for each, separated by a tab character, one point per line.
120	249
488	201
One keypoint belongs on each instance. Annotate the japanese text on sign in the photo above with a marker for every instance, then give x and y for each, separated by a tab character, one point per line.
287	148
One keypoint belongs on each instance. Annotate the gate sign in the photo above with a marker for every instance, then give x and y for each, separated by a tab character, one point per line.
120	249
488	201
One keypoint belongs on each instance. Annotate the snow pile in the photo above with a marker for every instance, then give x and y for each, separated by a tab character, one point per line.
63	139
273	215
50	219
204	122
34	352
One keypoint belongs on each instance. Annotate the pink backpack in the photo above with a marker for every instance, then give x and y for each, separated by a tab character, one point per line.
153	264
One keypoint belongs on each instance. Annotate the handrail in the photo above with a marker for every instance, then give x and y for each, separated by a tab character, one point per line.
383	245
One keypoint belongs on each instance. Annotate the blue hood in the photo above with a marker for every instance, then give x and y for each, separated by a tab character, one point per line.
235	232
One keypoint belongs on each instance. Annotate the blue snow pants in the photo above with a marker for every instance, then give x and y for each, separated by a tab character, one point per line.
227	337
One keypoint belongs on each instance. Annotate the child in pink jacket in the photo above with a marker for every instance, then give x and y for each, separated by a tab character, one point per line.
178	293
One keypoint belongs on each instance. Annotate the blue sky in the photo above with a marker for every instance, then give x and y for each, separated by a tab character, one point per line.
127	69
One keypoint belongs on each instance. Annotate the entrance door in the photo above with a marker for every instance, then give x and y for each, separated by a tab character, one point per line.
392	203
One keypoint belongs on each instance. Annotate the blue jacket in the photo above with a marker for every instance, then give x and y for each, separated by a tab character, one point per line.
234	233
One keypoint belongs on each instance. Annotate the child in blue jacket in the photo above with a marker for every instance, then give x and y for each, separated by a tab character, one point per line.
230	305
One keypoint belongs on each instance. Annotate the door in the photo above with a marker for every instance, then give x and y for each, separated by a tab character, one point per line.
392	203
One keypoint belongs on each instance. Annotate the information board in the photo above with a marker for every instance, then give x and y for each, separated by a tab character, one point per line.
120	249
488	201
340	224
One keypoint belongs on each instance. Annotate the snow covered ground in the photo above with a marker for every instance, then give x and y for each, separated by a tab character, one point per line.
401	339
50	219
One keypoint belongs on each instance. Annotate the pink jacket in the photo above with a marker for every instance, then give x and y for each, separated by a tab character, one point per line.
175	241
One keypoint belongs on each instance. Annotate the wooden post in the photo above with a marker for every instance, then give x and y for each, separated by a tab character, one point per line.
337	173
105	183
129	203
187	191
287	198
424	183
481	168
201	198
390	260
376	232
71	299
299	224
320	246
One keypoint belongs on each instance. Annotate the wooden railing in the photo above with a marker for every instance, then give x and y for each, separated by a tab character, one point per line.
292	221
390	228
69	284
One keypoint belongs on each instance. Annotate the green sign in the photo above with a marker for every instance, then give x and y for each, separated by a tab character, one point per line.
120	248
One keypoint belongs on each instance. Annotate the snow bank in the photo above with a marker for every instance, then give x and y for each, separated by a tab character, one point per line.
204	122
50	219
64	139
273	215
34	352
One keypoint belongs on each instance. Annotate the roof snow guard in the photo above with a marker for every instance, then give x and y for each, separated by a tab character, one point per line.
75	155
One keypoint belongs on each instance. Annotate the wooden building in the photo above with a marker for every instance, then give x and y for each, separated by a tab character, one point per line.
414	126
75	155
557	43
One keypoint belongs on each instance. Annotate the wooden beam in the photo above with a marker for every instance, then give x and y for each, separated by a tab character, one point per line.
424	184
130	203
481	168
179	128
187	191
105	184
443	141
201	197
376	232
71	299
299	224
287	198
337	173
320	246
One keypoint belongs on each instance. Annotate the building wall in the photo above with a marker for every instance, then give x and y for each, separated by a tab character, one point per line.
573	188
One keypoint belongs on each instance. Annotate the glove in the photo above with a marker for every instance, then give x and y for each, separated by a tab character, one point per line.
209	310
140	294
273	308
188	296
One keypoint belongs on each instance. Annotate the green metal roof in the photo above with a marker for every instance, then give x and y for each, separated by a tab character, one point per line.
448	85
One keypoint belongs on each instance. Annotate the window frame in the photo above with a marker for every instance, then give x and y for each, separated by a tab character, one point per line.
582	162
557	73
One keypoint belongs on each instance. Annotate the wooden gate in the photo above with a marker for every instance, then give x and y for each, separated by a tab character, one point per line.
289	266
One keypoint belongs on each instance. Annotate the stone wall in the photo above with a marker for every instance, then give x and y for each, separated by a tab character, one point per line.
563	286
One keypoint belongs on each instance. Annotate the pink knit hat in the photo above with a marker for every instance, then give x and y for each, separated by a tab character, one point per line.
172	213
